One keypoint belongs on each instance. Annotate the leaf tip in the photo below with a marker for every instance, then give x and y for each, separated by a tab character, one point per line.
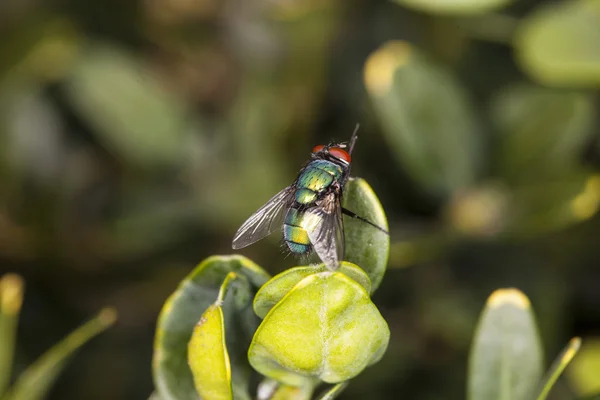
108	316
573	348
586	203
509	296
380	66
11	292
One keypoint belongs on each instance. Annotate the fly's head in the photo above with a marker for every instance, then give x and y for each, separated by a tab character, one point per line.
336	152
339	153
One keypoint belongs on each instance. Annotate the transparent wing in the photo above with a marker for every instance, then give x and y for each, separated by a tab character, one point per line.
325	228
265	220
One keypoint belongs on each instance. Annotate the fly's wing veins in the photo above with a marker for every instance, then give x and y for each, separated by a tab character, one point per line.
265	220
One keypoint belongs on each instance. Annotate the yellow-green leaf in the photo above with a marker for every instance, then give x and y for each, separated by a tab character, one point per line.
558	43
366	246
215	333
325	328
173	378
208	356
274	290
506	356
559	366
11	298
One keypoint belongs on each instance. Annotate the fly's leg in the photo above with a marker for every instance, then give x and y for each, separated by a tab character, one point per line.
353	215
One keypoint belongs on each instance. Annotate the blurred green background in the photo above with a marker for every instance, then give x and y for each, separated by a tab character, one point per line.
136	136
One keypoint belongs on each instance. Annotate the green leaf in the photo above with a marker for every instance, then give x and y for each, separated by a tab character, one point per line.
558	44
334	392
454	7
559	366
134	117
11	298
426	117
506	356
208	354
543	131
273	291
326	328
36	380
584	371
367	247
37	45
548	206
173	378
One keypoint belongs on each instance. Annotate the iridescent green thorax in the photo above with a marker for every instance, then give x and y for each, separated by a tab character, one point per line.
315	178
312	182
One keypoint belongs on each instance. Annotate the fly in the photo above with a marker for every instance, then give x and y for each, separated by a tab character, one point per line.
310	209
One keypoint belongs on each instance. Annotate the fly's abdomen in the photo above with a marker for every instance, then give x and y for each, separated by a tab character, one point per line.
294	234
315	179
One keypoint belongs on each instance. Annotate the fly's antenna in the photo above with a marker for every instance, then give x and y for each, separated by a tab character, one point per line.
353	139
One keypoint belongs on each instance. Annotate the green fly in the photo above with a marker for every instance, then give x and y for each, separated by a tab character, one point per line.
310	209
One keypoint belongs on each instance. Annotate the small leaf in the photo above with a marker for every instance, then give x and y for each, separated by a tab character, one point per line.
325	328
273	291
40	45
334	391
426	116
454	7
208	357
134	117
11	298
548	206
366	246
584	371
208	354
173	378
543	131
558	44
559	366
506	356
36	380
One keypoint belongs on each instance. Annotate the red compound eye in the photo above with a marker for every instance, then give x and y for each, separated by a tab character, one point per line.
318	148
340	153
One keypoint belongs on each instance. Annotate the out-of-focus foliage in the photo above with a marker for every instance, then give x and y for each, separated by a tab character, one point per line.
585	368
135	137
455	7
427	118
559	44
562	361
35	382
